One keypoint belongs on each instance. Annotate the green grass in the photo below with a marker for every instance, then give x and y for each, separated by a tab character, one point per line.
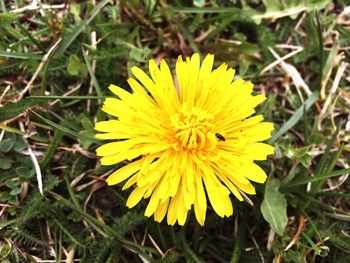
81	216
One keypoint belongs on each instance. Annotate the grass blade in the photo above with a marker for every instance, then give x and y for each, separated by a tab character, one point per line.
205	10
320	44
93	221
12	110
322	165
313	245
31	38
19	55
239	242
102	228
189	37
51	149
64	129
295	117
80	27
92	74
334	194
70	97
324	176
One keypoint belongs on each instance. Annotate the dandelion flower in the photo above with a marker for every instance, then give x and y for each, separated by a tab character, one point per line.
186	140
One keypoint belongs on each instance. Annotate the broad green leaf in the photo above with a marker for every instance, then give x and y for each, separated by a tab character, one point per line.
14	200
5	196
315	138
5	163
6	145
24	172
11	184
15	191
274	206
73	66
20	144
199	3
75	11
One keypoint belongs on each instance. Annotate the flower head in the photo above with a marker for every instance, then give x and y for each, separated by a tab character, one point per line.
185	140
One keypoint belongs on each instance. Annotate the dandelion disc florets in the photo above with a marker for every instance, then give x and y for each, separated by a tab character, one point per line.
187	142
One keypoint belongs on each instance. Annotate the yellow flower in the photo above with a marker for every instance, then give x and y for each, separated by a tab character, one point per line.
185	140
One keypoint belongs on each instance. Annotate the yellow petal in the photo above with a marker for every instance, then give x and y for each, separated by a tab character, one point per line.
206	67
116	147
228	205
108	126
139	90
200	194
259	151
154	71
216	201
117	108
182	78
232	188
120	92
161	210
193	67
124	172
172	211
146	82
168	78
216	196
112	135
152	206
131	181
259	132
150	190
199	213
254	173
181	211
230	126
247	188
135	196
119	157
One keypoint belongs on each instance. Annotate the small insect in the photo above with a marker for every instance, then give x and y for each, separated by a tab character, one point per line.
220	137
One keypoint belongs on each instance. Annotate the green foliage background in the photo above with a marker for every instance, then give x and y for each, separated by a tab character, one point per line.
56	61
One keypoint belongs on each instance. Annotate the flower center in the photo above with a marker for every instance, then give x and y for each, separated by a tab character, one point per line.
193	130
